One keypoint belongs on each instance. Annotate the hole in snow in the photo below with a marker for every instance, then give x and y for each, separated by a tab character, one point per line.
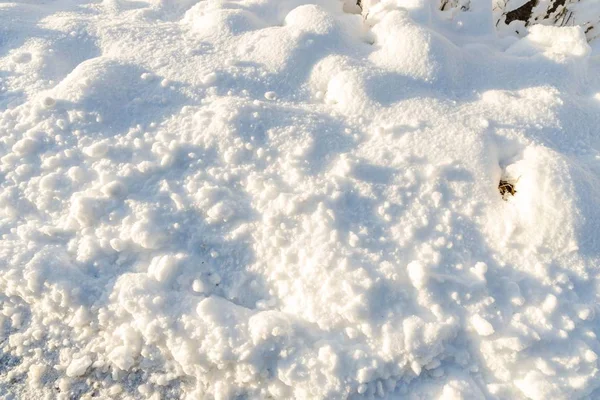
506	187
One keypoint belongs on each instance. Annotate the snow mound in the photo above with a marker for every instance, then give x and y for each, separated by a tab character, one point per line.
296	199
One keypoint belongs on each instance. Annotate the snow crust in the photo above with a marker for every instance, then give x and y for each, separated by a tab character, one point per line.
295	199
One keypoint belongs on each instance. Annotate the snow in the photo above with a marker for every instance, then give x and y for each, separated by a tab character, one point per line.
297	199
78	366
481	325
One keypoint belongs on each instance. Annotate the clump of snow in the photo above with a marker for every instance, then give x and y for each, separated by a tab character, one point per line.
296	199
78	366
481	325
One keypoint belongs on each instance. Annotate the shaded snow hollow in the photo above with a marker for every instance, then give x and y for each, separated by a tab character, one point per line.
285	199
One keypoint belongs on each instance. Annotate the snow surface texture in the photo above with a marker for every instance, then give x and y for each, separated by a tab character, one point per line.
288	199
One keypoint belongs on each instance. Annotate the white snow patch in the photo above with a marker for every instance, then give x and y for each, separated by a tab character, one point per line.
78	366
481	325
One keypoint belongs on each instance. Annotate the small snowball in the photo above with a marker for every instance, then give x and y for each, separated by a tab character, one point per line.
148	235
353	239
550	303
164	268
114	189
144	389
84	211
481	325
49	182
122	357
78	366
479	270
590	356
270	95
36	372
219	212
96	150
198	286
64	384
535	386
22	58
417	274
76	174
25	146
517	300
364	375
209	79
115	390
584	313
416	368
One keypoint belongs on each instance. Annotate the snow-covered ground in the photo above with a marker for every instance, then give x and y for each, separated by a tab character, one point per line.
295	199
